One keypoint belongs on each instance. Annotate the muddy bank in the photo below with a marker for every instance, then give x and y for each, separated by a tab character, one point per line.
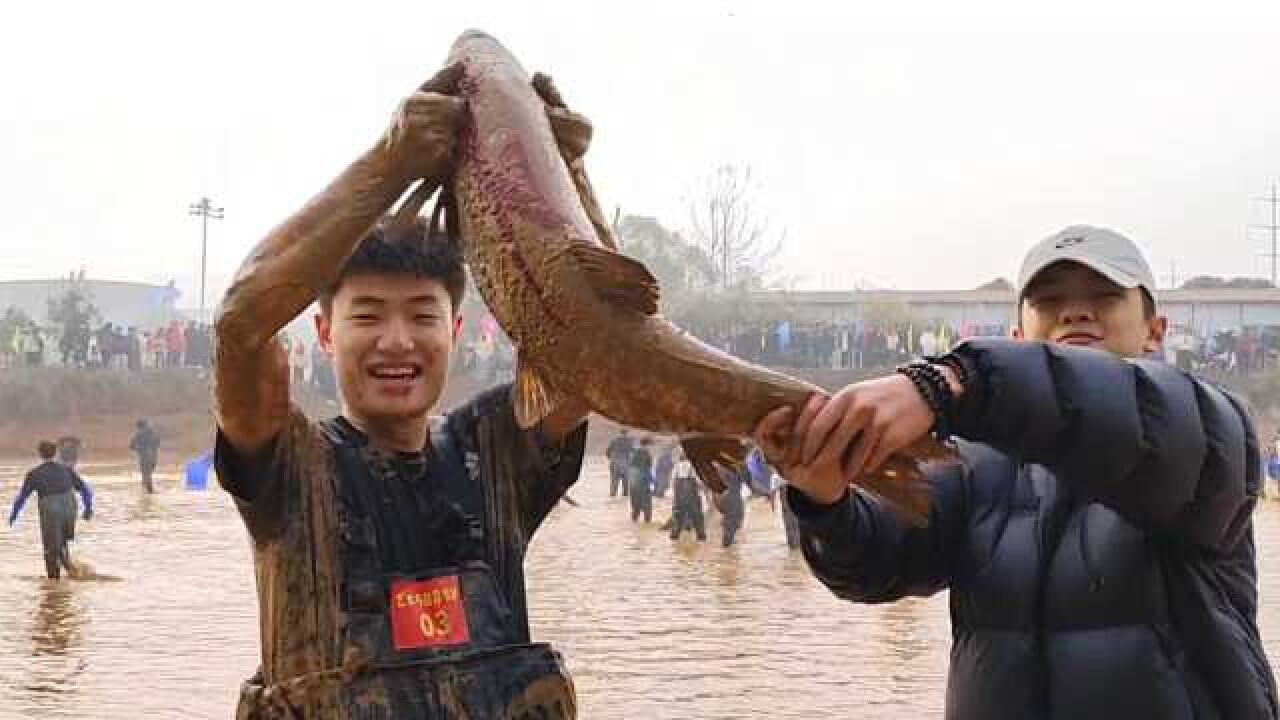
101	407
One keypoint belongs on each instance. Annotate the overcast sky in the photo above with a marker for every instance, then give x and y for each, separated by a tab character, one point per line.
916	148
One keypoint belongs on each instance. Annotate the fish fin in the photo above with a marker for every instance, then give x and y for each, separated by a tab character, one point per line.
900	482
535	398
710	455
901	488
618	278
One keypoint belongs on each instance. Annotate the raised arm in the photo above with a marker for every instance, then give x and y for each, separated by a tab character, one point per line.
1168	452
297	260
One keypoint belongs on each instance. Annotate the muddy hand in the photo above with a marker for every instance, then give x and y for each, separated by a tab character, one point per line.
572	130
421	139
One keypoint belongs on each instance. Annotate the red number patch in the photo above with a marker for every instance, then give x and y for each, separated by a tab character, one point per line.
428	613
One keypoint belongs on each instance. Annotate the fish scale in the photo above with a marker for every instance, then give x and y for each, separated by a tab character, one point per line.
584	317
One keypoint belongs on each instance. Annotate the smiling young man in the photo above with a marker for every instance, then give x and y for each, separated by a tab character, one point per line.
388	548
1096	540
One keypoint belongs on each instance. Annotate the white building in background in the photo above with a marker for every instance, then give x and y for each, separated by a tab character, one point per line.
1199	311
126	304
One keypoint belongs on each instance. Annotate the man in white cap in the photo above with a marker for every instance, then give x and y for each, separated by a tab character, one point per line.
1097	538
1081	286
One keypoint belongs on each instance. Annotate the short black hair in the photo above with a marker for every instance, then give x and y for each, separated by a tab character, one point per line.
412	250
47	449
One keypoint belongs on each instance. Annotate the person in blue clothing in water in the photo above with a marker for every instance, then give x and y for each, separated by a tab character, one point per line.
765	482
52	482
640	481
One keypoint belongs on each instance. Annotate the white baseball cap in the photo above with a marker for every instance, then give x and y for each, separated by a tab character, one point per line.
1106	251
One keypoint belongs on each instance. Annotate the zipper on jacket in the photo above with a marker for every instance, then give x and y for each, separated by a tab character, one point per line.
1048	536
1096	579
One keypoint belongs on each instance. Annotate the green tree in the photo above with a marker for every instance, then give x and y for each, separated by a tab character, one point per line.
73	314
13	318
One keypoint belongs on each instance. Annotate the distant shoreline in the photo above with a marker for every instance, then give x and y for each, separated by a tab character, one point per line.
102	406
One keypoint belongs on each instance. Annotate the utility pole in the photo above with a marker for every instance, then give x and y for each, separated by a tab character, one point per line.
1274	200
206	211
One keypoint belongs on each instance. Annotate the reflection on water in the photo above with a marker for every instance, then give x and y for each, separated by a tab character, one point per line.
55	631
650	628
55	625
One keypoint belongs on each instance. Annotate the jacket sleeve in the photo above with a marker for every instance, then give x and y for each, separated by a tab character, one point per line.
1169	453
28	487
862	553
86	492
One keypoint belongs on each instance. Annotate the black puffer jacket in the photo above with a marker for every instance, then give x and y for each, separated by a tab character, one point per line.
1097	542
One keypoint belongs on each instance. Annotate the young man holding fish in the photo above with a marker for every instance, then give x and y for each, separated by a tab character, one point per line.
388	548
1097	538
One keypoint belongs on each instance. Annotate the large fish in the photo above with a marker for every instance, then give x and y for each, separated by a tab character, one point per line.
584	317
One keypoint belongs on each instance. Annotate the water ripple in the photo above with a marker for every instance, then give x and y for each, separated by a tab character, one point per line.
650	628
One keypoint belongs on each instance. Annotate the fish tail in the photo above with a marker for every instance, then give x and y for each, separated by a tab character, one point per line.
713	455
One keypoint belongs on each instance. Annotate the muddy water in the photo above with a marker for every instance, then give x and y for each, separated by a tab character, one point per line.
651	629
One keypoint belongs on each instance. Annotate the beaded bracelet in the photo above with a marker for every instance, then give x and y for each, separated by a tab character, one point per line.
936	392
922	386
952	361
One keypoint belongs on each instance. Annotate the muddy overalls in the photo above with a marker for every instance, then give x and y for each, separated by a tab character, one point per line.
429	631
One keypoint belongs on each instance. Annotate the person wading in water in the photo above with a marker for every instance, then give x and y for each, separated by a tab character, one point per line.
686	504
146	445
388	547
640	481
619	455
52	482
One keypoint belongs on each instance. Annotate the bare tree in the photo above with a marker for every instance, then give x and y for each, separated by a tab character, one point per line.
728	226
